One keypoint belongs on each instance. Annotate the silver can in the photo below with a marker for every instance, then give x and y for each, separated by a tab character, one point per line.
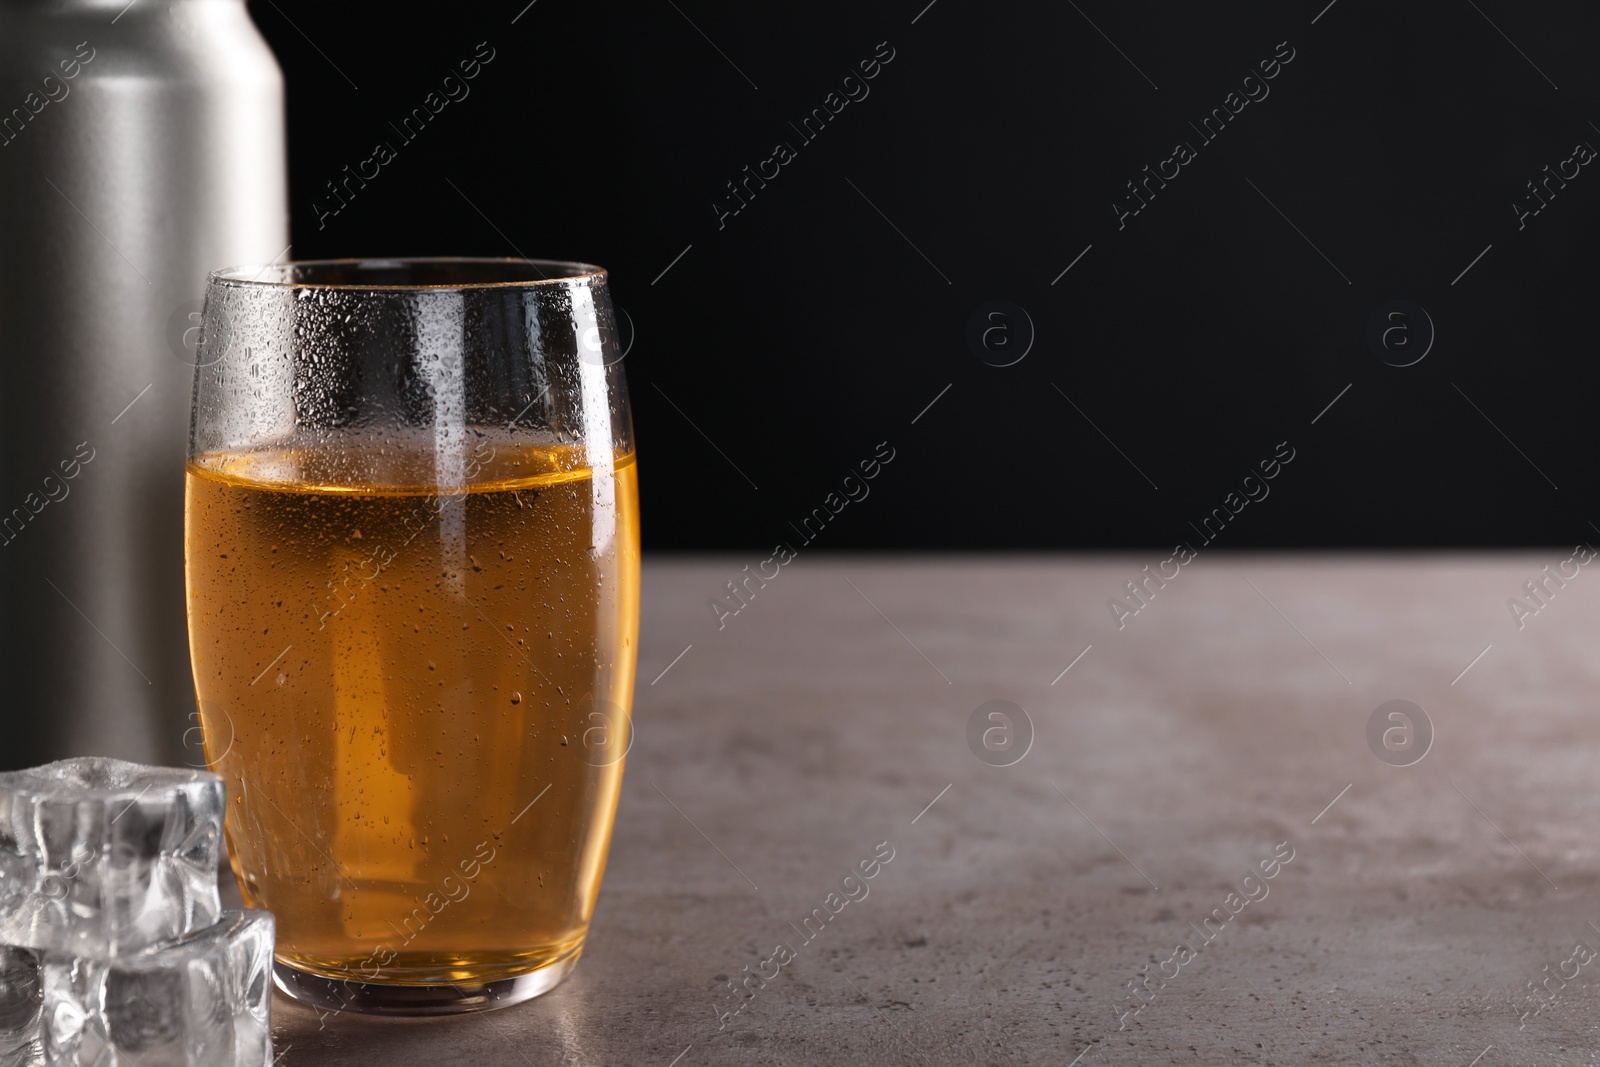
141	146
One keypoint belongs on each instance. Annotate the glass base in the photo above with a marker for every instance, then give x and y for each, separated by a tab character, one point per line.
452	998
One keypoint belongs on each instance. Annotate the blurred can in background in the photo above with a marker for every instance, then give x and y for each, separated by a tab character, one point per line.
141	146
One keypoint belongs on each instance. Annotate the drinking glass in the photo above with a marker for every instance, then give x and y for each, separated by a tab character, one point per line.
412	558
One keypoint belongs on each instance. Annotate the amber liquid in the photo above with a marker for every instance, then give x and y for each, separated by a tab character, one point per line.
389	675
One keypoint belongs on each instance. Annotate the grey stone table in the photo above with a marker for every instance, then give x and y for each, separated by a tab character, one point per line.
1435	913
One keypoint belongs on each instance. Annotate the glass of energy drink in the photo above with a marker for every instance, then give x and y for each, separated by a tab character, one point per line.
412	556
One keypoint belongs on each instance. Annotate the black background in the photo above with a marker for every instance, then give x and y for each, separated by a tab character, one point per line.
807	329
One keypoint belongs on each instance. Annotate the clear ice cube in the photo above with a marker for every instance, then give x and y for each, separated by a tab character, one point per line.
99	856
199	1002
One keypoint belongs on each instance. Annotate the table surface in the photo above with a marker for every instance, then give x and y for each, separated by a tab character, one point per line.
1228	719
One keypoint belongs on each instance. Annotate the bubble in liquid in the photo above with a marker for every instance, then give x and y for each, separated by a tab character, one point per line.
516	698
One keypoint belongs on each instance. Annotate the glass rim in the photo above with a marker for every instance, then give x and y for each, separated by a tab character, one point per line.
288	274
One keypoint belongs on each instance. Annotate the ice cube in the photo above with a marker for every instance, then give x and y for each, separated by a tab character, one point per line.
99	856
199	1002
